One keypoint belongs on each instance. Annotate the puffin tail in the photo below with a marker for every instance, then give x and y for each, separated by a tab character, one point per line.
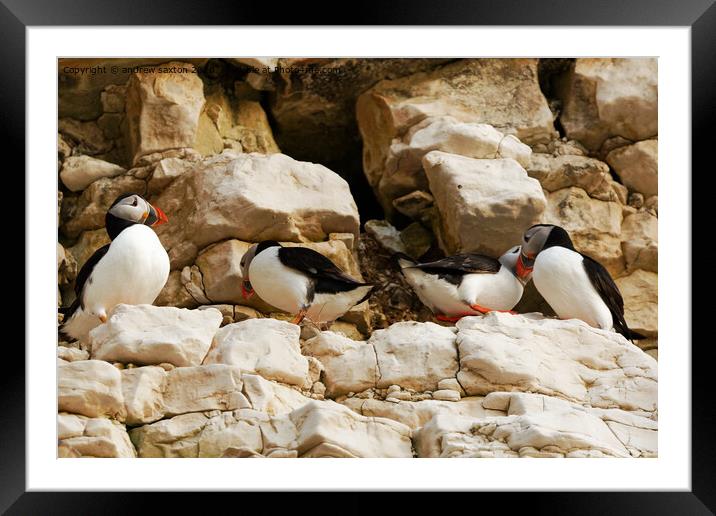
402	260
634	335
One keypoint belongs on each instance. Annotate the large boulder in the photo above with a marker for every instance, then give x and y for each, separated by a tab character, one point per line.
163	107
267	347
638	166
566	359
503	93
485	204
605	97
92	388
146	335
253	197
78	172
593	225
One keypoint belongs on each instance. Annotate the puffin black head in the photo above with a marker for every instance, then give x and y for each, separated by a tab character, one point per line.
129	209
246	289
535	240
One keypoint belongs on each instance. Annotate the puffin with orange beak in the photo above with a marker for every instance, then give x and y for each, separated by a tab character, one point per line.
574	285
131	269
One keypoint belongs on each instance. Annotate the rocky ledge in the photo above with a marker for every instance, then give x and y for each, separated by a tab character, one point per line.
499	385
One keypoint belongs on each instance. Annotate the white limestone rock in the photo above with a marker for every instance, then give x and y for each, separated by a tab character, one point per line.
414	355
78	172
566	359
349	365
638	166
92	388
79	436
329	429
145	334
484	205
267	347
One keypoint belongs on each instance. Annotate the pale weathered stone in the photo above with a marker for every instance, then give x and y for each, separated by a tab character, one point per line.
272	398
83	437
567	359
208	387
92	388
640	291
163	109
78	172
414	355
638	166
166	171
414	204
611	97
143	389
145	334
253	197
485	205
470	90
264	346
417	413
71	354
563	171
386	235
175	437
349	366
403	171
640	236
446	395
535	426
330	429
593	225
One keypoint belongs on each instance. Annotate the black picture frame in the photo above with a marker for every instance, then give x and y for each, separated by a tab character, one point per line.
700	15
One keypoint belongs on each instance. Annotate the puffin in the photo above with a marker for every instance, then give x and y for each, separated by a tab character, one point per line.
466	284
300	281
575	285
131	269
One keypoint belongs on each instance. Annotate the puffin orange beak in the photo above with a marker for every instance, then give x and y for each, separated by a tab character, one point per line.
160	216
246	289
523	270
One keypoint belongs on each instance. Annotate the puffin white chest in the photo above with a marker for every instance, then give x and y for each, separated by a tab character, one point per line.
560	277
133	271
278	285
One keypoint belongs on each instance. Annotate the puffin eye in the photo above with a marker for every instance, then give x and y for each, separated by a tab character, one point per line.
134	202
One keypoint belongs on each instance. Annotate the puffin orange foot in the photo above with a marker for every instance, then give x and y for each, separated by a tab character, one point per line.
299	316
481	309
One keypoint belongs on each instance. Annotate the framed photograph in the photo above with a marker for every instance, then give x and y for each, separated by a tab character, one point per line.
426	237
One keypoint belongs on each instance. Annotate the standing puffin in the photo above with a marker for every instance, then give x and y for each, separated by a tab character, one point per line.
300	281
131	269
574	285
466	284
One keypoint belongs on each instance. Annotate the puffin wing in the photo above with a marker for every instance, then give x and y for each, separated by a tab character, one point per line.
326	274
453	268
609	292
80	283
